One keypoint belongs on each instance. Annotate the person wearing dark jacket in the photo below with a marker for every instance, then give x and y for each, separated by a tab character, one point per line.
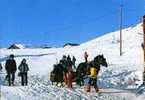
74	62
23	68
11	68
1	67
69	61
64	63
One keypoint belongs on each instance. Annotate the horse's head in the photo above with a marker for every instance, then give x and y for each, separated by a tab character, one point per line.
100	60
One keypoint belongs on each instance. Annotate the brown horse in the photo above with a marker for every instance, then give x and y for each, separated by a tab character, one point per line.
57	75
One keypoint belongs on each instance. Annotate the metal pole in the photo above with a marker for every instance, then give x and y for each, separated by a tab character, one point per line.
121	30
144	48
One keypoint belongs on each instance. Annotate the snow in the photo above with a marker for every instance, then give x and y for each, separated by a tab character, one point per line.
124	73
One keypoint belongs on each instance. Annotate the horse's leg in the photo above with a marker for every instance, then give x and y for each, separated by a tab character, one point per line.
65	78
61	80
57	80
82	80
96	85
56	84
79	81
76	80
61	84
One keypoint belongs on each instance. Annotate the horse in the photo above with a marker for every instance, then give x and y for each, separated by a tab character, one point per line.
82	69
57	75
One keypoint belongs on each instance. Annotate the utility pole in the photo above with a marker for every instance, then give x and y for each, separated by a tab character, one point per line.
121	29
144	48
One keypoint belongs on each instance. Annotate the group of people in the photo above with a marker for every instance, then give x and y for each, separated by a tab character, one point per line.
91	75
68	65
63	71
66	61
11	68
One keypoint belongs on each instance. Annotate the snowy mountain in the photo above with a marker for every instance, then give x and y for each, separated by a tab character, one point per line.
122	77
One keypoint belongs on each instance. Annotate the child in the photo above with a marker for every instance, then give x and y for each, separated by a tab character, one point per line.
93	76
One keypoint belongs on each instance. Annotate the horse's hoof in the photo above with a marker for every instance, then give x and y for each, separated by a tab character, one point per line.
97	90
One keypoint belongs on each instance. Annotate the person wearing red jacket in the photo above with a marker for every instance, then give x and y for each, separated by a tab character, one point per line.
69	77
86	57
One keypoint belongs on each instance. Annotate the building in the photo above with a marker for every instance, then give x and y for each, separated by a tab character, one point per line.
69	45
16	46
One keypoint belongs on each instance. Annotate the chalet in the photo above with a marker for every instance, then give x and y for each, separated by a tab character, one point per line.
69	45
16	46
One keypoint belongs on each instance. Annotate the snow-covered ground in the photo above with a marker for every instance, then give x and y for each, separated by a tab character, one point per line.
122	78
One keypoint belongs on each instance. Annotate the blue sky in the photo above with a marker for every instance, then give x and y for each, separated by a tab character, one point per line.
55	22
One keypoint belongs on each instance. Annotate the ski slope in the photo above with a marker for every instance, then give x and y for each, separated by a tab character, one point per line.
121	80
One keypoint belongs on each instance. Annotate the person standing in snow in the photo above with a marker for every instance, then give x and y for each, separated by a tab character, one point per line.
11	68
69	72
73	62
69	77
93	76
69	61
64	63
23	68
86	57
1	67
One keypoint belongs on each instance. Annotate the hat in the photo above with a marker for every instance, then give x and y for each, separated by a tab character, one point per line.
11	56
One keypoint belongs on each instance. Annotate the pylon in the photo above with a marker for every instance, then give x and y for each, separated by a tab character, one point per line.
144	47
